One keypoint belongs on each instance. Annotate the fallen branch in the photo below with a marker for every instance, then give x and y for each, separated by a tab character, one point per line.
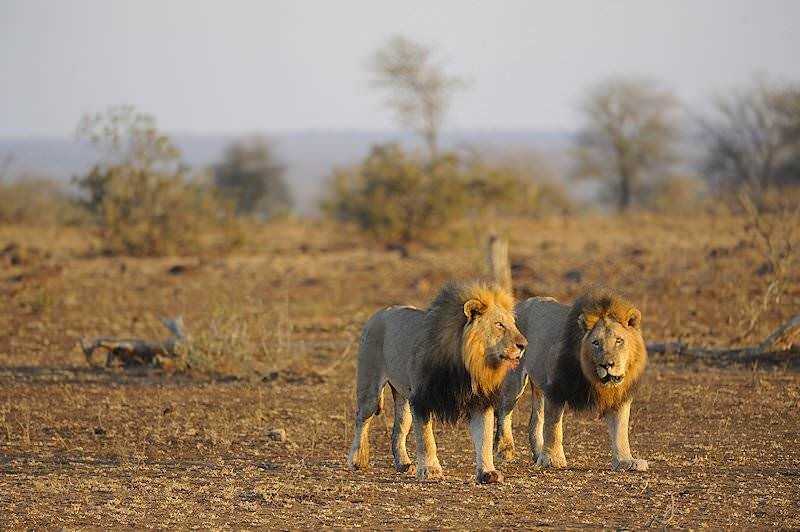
135	352
778	346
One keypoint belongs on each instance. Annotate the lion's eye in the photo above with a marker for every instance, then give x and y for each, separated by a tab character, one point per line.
620	341
499	325
596	342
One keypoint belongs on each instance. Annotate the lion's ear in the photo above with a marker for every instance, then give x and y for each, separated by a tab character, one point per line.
587	321
473	308
634	319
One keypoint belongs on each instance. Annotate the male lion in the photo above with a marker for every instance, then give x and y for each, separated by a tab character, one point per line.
448	361
589	356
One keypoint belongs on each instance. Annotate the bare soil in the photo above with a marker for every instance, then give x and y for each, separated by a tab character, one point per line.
84	446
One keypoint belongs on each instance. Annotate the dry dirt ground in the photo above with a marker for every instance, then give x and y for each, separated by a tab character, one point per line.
274	329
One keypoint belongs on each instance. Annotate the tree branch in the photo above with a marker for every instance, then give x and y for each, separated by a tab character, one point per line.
136	352
776	347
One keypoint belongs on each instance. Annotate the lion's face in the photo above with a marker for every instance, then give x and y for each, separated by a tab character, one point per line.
612	349
492	342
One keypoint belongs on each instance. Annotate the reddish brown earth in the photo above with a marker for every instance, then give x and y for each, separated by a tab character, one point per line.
84	446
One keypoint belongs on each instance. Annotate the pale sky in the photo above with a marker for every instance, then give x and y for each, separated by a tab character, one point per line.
241	66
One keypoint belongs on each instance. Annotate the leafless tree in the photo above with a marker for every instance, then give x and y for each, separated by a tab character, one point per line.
753	136
420	91
629	133
137	193
124	136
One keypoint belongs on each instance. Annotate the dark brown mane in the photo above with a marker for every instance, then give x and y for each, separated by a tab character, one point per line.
570	385
445	389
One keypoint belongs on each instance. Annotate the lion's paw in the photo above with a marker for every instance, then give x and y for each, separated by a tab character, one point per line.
406	468
505	452
427	472
358	463
634	464
489	477
554	461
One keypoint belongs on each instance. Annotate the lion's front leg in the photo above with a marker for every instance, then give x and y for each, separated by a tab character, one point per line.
428	466
552	454
536	424
512	390
504	437
621	458
481	428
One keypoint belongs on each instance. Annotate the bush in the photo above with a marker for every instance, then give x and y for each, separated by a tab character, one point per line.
37	201
142	212
398	199
674	194
394	197
139	196
252	178
518	186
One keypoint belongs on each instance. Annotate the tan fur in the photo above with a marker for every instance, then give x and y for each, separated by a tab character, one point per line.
611	319
447	361
569	348
485	378
607	397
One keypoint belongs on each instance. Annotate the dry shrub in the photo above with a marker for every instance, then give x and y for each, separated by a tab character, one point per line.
674	194
37	202
399	199
253	179
138	193
241	343
772	222
146	212
394	197
517	186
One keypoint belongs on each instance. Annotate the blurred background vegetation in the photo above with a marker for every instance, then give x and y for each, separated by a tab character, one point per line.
642	148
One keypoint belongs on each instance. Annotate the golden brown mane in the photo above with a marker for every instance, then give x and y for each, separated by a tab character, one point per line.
456	373
571	384
485	379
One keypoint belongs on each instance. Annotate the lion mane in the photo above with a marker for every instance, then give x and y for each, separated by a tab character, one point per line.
570	384
446	362
454	378
589	356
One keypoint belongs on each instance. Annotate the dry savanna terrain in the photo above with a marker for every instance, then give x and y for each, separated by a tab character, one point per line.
273	332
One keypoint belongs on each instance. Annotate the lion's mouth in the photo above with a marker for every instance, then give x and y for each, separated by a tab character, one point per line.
607	378
511	361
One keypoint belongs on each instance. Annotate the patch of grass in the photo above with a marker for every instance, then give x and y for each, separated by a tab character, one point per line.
244	338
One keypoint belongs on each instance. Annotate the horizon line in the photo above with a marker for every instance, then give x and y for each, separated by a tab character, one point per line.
298	131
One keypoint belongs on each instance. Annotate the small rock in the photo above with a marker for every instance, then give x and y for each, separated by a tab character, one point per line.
271	376
764	269
277	435
177	269
574	275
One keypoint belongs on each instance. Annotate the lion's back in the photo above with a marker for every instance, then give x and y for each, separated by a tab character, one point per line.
388	342
542	321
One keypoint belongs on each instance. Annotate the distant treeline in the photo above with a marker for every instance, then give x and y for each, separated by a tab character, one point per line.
143	199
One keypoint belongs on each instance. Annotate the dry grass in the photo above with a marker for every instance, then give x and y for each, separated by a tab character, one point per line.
87	447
